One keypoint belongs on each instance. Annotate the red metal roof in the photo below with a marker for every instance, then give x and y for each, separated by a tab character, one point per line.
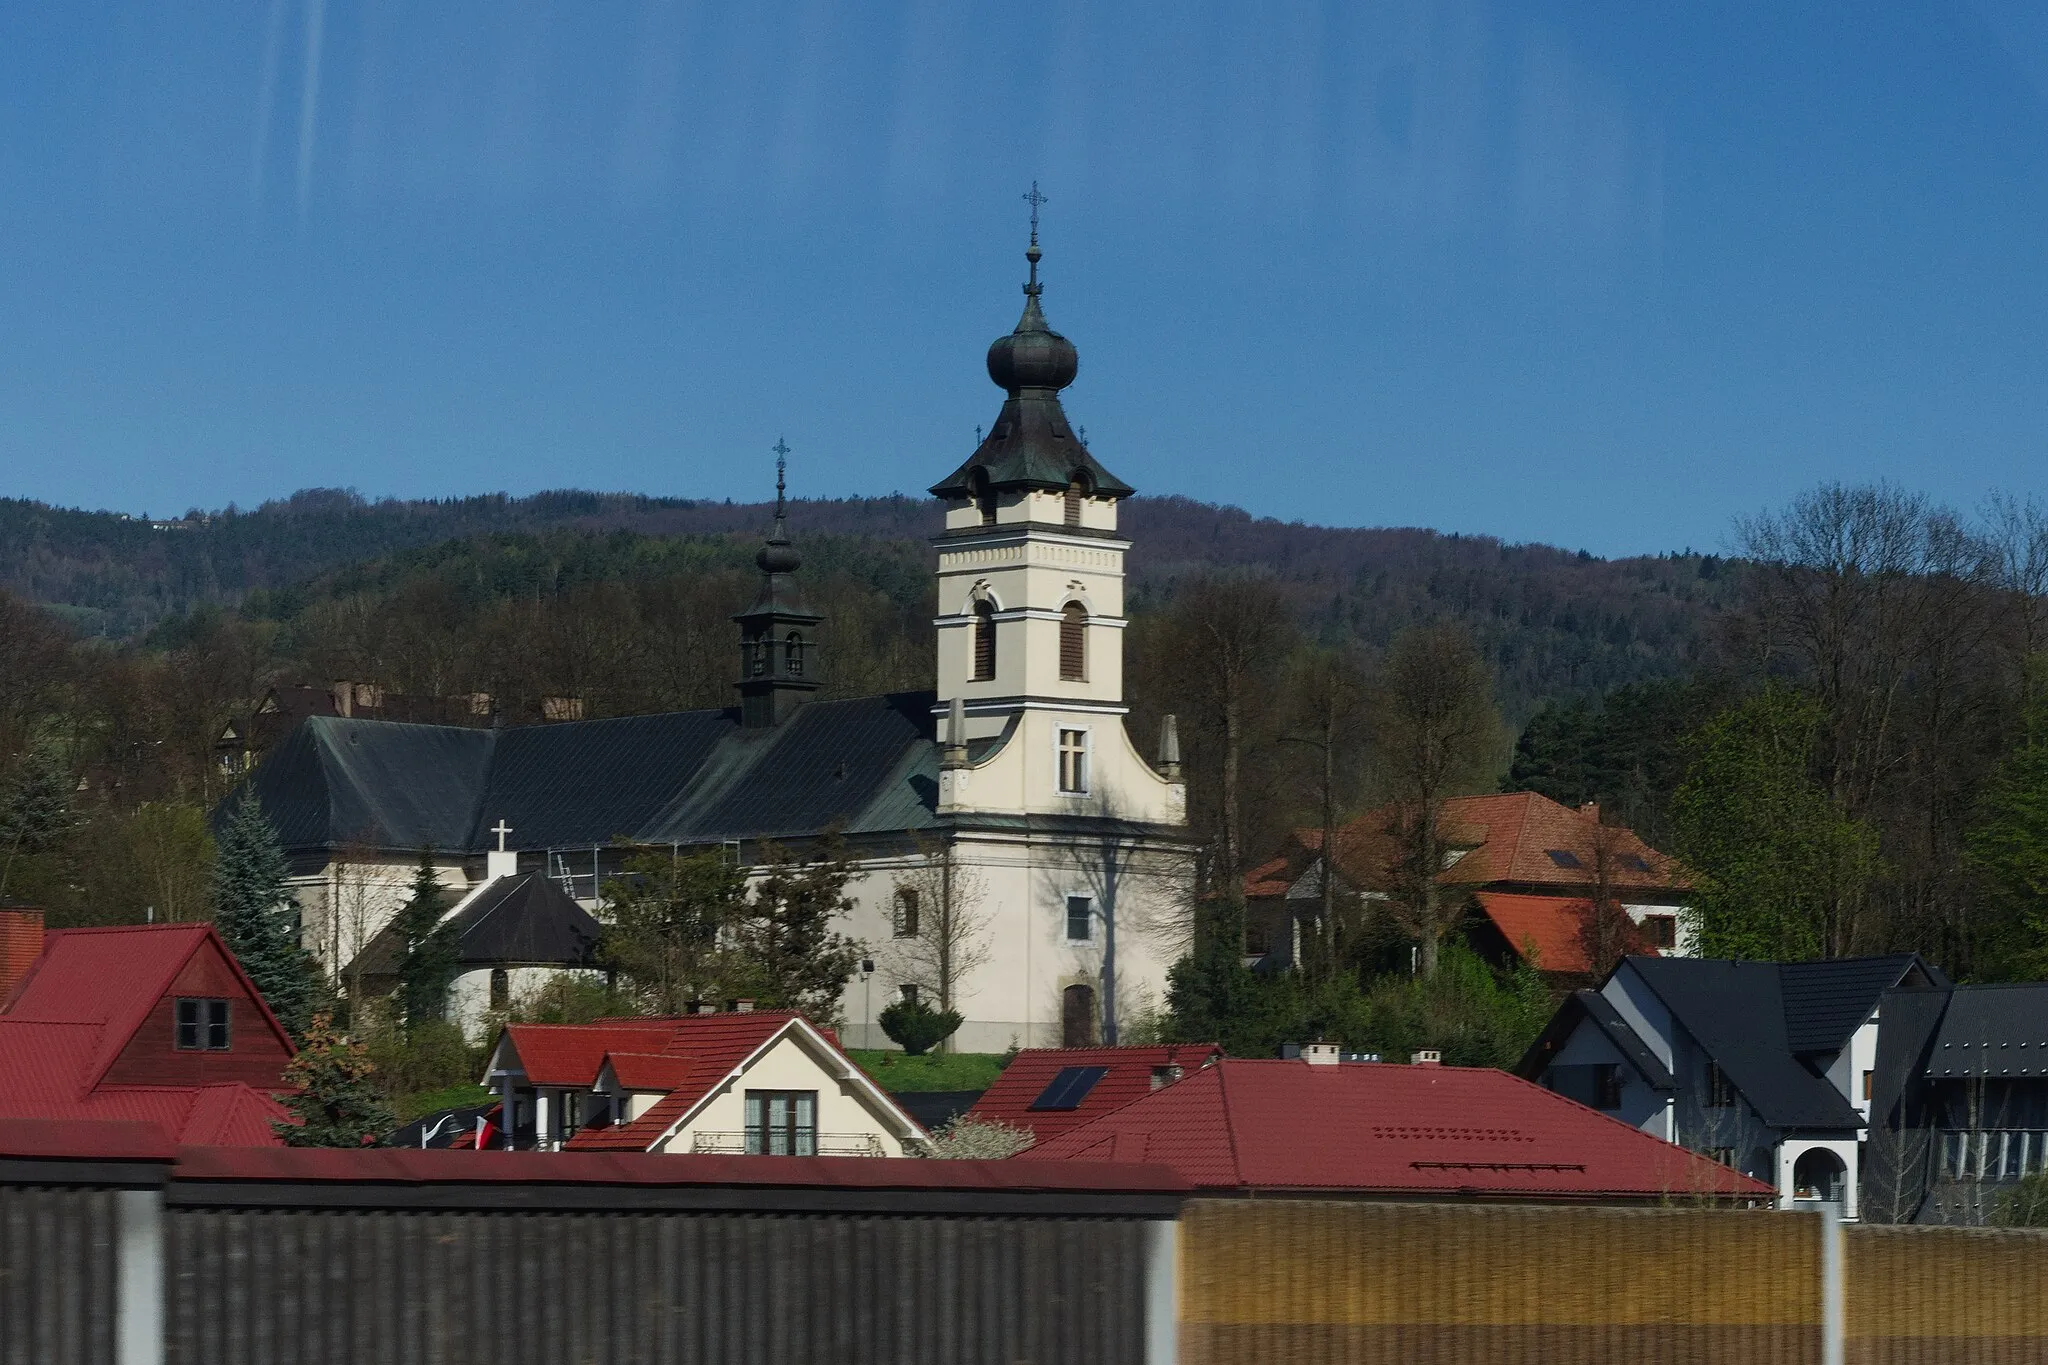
405	1165
85	1140
114	977
82	1002
1555	927
1402	1131
1128	1077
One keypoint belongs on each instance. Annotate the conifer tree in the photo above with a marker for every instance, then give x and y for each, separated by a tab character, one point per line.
333	1100
429	948
256	914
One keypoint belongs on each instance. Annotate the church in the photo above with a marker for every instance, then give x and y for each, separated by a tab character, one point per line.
1010	800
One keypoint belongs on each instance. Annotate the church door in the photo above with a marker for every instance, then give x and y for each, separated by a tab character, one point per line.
1077	1017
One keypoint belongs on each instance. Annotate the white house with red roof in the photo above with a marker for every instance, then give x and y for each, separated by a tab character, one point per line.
1319	1126
1047	1091
153	1023
1530	867
745	1082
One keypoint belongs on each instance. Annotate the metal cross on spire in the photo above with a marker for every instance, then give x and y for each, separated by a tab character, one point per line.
781	449
1032	253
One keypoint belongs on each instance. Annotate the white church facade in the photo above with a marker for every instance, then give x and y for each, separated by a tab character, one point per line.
1010	800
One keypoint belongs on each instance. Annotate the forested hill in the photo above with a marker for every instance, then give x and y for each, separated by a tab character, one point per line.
1556	623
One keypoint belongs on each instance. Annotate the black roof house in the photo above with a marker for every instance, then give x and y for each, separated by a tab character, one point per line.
867	764
1959	1100
524	920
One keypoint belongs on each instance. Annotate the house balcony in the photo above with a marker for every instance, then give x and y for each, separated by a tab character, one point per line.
807	1144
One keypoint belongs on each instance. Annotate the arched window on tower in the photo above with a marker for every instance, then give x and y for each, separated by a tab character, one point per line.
984	640
793	655
984	496
1073	643
1077	489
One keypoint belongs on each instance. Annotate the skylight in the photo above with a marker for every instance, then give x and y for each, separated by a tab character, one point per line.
1635	862
1564	857
1070	1087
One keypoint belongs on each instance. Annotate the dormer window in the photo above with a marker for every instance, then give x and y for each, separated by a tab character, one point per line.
202	1025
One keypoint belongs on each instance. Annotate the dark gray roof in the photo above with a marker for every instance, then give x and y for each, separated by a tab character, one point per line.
524	920
1735	1011
1826	1002
867	764
1993	1031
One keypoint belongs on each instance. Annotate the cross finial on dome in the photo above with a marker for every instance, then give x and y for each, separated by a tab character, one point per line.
1032	253
781	449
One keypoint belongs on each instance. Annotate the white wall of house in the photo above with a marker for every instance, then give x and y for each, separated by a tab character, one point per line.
469	995
1687	944
847	1117
347	903
1641	1105
1854	1062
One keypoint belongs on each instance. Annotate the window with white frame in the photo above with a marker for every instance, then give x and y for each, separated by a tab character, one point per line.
1080	918
1074	762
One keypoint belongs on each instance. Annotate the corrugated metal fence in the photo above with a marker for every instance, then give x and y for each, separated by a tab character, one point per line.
146	1261
327	1287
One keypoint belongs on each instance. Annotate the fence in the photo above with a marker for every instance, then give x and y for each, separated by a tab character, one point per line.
114	1248
238	1256
1310	1282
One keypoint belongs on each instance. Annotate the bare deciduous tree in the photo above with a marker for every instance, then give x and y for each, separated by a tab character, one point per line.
1435	735
1329	693
942	923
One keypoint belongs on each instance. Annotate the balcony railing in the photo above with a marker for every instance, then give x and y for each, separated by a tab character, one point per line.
820	1144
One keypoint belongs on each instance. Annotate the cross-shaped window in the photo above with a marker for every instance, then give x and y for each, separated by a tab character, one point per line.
1074	761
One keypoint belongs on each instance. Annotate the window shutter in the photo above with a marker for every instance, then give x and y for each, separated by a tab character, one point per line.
1073	643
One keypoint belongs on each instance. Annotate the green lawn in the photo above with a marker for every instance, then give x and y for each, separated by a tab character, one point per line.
410	1107
933	1071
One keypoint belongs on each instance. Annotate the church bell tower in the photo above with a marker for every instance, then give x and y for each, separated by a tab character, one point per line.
779	632
1031	567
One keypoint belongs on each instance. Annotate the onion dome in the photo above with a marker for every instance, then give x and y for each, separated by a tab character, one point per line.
1031	444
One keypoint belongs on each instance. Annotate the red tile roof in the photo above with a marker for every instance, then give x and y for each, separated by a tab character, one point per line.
1398	1131
82	1002
570	1054
1129	1077
1509	838
649	1071
1554	926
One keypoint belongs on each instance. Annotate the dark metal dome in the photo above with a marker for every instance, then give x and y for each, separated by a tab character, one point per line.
1033	356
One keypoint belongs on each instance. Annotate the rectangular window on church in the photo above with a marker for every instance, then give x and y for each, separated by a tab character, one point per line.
1080	918
1074	762
202	1025
906	912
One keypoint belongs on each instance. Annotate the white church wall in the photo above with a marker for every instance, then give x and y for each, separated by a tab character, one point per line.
348	903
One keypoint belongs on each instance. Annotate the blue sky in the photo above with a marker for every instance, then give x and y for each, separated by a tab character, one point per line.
1599	274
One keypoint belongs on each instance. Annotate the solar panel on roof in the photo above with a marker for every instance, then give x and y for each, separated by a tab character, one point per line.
1070	1087
1564	857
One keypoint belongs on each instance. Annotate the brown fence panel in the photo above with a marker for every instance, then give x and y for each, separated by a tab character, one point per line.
1306	1282
1945	1296
57	1275
468	1287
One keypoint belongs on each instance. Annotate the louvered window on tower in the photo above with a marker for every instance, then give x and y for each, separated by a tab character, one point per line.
984	641
1077	489
793	655
1073	643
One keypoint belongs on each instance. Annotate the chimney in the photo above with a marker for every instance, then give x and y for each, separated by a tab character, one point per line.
1169	748
696	1007
1591	810
21	943
1429	1056
1320	1053
955	755
742	1006
344	699
1163	1076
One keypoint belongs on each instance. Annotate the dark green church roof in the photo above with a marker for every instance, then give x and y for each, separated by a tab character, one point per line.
1031	444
